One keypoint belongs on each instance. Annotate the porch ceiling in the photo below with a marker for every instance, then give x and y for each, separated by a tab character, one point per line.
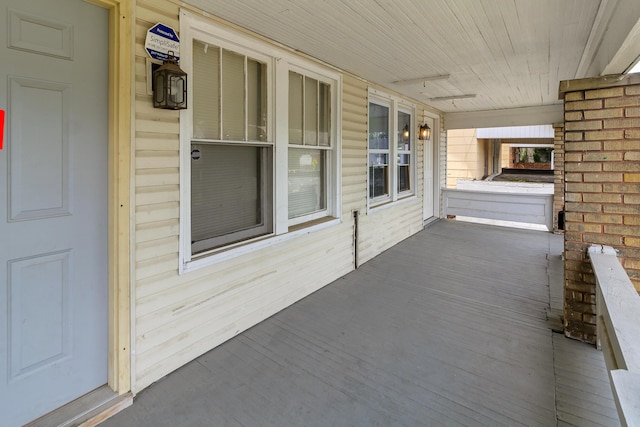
510	54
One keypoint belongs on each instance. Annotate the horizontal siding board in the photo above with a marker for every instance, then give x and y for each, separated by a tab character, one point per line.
157	177
157	265
158	212
238	276
143	98
144	106
165	123
354	117
157	230
157	159
157	248
154	12
157	194
385	227
156	142
228	305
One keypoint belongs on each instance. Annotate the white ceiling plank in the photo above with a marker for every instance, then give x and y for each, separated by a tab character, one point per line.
510	53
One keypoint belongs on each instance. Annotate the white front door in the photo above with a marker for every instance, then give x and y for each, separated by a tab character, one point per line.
428	207
53	205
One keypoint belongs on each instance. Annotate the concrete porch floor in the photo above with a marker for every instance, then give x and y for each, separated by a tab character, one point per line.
447	328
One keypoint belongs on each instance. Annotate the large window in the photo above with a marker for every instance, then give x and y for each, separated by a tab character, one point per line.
231	163
391	148
309	151
259	144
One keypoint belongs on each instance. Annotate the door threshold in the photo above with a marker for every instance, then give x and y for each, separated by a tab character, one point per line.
86	411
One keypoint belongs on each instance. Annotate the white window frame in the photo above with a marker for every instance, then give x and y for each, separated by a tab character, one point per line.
331	175
401	108
395	105
279	61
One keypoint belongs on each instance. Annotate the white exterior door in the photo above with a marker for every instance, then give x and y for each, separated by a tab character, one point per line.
430	150
53	205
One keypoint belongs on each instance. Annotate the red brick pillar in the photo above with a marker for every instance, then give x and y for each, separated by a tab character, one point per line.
602	193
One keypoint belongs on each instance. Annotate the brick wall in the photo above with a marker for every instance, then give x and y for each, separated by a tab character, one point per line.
602	188
558	172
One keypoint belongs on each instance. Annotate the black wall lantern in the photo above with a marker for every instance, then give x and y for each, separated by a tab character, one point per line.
170	85
424	133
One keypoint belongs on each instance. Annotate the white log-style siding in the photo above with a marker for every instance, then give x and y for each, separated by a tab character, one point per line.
384	226
354	148
179	317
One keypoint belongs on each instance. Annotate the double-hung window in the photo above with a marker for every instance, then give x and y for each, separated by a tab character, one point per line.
259	144
231	155
310	148
390	150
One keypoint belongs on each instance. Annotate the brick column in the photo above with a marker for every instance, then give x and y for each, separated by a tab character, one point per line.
602	197
558	173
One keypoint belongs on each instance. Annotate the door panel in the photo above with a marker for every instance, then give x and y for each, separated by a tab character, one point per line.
53	205
39	321
38	153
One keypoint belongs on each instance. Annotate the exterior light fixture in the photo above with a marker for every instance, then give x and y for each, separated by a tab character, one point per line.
424	133
405	132
170	85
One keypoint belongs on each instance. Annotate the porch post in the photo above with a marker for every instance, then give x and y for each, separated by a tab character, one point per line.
602	193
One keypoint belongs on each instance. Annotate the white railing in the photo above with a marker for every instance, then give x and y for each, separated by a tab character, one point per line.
530	208
618	331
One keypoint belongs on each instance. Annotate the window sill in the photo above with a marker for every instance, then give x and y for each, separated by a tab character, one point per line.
226	254
391	204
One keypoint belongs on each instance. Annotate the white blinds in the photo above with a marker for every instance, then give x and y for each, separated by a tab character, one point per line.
256	101
296	99
233	122
206	91
307	192
310	111
230	95
225	190
324	114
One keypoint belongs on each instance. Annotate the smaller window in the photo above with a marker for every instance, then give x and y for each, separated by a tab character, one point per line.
403	152
379	152
391	150
307	182
309	154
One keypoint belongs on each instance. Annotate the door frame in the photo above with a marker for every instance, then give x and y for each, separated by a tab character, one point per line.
434	146
119	193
